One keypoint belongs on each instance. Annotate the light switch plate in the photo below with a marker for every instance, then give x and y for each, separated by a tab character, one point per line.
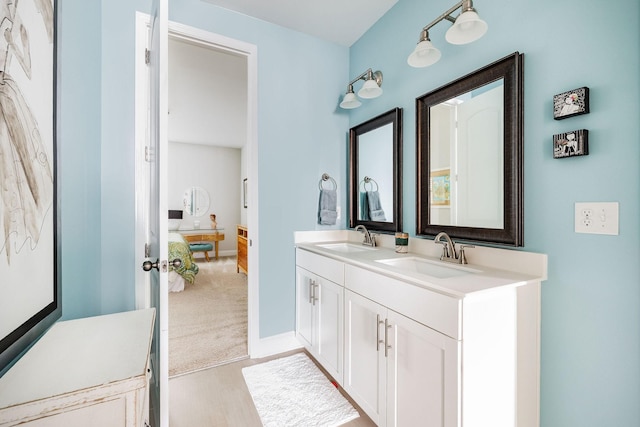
596	218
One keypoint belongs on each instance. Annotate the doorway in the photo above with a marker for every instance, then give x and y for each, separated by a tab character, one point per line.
248	55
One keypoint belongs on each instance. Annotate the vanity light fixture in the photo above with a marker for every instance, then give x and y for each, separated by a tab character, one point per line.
370	89
466	28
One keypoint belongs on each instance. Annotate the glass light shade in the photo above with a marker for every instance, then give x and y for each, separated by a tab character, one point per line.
424	54
350	101
467	28
370	89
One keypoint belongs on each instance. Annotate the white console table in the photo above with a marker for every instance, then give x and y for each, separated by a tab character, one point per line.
85	372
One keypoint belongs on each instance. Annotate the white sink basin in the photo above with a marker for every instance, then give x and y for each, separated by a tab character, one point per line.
426	267
346	247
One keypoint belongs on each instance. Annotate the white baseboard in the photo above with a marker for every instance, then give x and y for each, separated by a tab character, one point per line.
274	345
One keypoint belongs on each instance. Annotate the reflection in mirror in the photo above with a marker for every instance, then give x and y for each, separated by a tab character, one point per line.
469	156
468	132
375	150
196	201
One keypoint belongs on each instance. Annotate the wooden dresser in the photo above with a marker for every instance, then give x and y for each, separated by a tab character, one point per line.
85	372
243	240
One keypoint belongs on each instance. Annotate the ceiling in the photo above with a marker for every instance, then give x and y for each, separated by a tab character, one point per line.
338	21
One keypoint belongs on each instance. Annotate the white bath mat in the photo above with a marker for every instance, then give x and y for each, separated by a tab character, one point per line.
292	392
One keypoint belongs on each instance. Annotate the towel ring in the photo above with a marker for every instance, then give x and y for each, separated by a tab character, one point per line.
326	177
368	180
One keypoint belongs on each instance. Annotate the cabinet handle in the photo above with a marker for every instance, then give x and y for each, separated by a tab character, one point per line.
378	340
387	326
315	294
312	292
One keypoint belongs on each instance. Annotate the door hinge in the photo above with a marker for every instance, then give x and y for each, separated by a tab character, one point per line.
147	56
148	154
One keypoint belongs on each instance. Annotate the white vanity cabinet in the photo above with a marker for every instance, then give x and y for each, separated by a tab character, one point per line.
399	371
319	309
449	361
456	348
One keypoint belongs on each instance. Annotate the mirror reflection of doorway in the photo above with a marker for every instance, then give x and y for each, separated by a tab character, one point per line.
207	136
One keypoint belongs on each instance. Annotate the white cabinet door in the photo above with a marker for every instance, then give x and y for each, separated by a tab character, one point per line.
422	375
365	364
304	306
330	328
320	319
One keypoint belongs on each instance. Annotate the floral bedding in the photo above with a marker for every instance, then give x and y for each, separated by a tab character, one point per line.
179	248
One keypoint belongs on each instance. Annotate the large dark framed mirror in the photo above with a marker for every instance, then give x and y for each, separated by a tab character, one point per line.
469	154
375	173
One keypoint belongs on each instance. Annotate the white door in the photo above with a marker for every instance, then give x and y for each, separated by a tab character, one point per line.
422	375
157	210
365	363
329	305
304	309
479	201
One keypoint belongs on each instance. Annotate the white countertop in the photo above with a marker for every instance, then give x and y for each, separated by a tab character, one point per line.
483	278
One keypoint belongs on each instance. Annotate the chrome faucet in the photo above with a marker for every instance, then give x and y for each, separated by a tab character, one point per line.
369	239
449	252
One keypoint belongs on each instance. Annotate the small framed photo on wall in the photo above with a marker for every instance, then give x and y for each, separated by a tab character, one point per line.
570	144
571	103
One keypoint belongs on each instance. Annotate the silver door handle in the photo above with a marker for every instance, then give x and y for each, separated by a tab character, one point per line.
149	265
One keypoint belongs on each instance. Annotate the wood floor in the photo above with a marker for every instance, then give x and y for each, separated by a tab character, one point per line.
218	397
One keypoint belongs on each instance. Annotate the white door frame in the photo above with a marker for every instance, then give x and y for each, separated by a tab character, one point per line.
237	47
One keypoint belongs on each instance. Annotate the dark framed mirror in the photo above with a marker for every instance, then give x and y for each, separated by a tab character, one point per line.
469	156
375	173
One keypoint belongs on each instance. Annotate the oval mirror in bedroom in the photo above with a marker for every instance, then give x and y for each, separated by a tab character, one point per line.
196	201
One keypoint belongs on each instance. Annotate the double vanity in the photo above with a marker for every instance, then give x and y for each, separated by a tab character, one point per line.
418	341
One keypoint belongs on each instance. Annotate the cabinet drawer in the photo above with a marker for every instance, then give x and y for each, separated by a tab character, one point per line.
322	266
437	311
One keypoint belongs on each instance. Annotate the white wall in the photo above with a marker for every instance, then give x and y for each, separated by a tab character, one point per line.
218	171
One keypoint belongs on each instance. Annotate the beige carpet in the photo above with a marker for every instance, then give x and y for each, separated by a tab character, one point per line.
208	320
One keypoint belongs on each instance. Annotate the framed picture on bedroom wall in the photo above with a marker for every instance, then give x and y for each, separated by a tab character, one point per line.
30	294
440	190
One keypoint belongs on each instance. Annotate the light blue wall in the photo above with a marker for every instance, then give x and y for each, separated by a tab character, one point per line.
79	110
301	135
591	302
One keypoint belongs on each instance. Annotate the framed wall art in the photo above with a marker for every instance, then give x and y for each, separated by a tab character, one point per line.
571	103
30	288
570	144
441	187
244	192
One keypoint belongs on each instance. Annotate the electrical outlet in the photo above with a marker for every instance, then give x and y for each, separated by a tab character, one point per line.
596	218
